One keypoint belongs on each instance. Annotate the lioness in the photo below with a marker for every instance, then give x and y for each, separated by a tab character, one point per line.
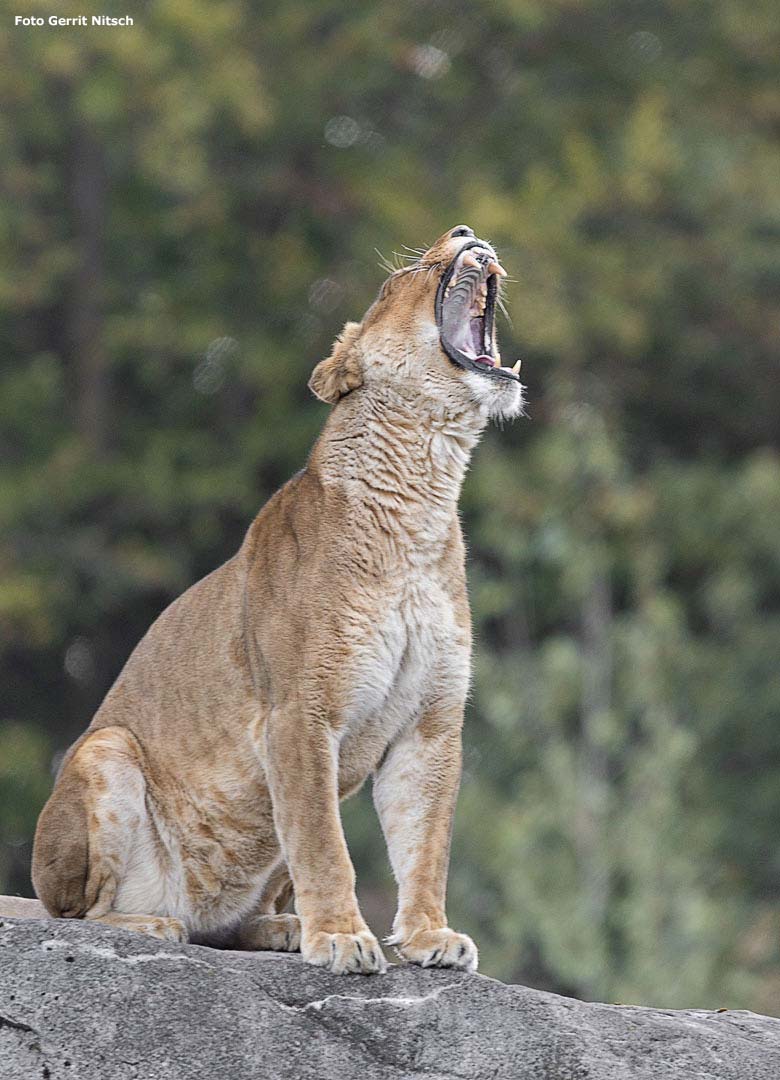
335	644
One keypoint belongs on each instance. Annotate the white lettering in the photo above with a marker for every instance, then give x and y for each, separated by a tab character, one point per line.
108	20
75	20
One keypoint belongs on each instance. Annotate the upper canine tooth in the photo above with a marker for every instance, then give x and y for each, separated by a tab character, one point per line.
496	268
469	260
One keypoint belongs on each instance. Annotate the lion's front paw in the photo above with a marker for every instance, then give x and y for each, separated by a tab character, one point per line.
344	954
437	948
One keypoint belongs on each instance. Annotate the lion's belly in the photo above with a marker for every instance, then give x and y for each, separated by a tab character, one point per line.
412	649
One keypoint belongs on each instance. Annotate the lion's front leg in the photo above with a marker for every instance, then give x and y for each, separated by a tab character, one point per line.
414	792
302	774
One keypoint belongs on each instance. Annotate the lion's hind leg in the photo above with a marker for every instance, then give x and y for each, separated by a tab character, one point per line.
277	933
269	927
95	845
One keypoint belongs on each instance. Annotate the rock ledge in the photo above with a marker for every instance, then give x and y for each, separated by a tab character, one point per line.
81	1002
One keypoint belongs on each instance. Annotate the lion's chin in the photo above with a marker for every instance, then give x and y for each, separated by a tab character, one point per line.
499	400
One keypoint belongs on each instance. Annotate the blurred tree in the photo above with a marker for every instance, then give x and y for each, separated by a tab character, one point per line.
190	211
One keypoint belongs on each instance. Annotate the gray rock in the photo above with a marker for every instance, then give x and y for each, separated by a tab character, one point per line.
78	1000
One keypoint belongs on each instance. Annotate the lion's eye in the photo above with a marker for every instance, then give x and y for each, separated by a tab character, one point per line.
462	231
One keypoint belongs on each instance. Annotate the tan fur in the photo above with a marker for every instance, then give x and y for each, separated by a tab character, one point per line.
335	644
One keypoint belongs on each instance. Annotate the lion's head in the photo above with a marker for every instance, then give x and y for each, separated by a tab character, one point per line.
430	333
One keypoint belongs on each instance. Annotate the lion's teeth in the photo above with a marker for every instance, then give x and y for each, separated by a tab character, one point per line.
516	367
469	260
496	268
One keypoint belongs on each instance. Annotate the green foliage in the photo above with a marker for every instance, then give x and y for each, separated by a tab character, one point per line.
190	213
24	785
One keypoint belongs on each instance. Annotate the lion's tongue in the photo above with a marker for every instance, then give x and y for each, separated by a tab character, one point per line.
488	361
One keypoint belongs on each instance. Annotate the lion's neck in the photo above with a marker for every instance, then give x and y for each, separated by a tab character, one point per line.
399	463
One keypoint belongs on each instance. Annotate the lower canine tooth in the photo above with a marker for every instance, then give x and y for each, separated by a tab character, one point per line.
516	367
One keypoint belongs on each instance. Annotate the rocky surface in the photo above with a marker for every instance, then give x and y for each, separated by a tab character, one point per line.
79	1001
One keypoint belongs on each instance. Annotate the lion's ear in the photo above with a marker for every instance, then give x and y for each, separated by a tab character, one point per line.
342	371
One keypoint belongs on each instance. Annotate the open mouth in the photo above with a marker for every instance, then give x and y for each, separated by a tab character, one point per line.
466	312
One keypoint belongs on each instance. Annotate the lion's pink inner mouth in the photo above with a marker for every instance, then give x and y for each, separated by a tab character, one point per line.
466	309
465	320
477	332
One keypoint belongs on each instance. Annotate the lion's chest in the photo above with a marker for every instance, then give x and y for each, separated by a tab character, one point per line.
412	652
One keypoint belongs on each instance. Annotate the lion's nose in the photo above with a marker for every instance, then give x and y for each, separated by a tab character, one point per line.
462	230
